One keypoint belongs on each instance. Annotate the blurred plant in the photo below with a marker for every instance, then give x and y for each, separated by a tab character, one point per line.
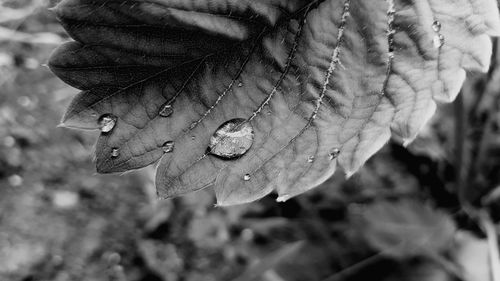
427	213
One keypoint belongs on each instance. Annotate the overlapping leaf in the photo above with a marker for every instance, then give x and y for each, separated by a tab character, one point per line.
406	229
313	78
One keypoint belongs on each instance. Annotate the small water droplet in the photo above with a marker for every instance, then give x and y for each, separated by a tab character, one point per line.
334	154
436	26
193	137
438	41
115	152
107	122
166	110
232	139
310	159
240	84
168	146
247	177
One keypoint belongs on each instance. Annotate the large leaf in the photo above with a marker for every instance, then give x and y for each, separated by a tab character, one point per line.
320	82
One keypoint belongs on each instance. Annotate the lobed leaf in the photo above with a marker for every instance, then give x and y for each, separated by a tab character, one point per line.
321	82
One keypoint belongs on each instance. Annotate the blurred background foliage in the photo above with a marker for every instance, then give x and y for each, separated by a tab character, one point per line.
400	218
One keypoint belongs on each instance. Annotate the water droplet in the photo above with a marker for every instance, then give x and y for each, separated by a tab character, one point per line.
193	137
247	177
115	152
436	26
107	122
438	41
232	139
168	146
334	154
240	84
310	159
166	110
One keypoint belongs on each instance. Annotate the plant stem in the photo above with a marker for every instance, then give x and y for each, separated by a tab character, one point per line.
460	136
489	229
448	266
354	268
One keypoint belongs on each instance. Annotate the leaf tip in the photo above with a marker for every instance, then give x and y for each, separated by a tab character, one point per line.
283	198
407	142
222	203
349	174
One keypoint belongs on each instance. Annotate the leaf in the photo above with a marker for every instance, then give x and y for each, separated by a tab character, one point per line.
406	229
320	82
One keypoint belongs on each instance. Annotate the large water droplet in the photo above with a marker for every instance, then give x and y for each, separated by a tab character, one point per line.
166	110
232	139
436	26
438	41
115	152
247	177
310	159
168	146
107	122
334	154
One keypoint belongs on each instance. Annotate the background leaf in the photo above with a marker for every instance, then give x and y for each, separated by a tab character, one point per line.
406	229
321	83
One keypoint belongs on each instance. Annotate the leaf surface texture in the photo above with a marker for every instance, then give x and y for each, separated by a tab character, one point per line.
322	83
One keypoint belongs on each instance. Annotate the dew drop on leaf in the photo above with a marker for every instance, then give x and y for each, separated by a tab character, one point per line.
166	110
168	146
240	84
310	159
232	139
334	154
115	152
107	122
436	26
438	41
246	177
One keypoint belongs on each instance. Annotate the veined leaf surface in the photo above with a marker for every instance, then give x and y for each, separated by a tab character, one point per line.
322	83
